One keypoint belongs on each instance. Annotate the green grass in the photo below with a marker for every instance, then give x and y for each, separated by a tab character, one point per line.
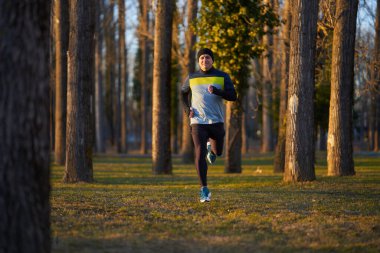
128	209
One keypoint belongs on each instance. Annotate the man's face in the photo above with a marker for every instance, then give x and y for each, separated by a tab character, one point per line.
205	62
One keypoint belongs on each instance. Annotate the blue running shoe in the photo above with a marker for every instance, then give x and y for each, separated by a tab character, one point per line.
211	157
205	194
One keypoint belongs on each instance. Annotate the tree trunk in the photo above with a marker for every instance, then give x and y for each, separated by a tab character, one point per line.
174	82
117	110
52	79
109	33
187	150
376	74
79	138
371	120
339	144
279	159
299	150
144	24
234	112
117	93
244	132
251	114
61	27
99	81
24	127
161	154
267	115
123	77
233	137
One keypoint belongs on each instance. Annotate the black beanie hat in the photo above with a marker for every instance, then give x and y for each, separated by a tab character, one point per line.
205	51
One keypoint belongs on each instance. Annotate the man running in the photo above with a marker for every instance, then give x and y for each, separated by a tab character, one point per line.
203	93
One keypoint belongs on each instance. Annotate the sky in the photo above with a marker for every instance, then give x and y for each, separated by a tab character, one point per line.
366	14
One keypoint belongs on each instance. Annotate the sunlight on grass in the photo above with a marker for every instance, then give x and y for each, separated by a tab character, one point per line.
128	209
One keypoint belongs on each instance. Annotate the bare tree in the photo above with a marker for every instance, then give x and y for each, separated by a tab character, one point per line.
175	84
79	138
267	118
279	160
117	83
99	80
52	78
110	64
123	77
187	150
24	127
339	145
244	132
233	144
145	52
161	153
299	159
376	77
61	29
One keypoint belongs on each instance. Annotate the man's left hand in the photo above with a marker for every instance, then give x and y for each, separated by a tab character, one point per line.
211	89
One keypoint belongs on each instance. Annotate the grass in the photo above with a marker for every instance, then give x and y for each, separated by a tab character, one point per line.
128	209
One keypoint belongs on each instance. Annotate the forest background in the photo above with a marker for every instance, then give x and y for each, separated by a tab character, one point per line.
125	104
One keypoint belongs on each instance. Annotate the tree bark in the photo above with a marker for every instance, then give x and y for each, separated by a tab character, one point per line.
99	81
61	28
117	93
52	78
234	112
79	138
123	77
110	55
339	144
376	74
174	83
161	154
117	110
267	114
144	26
299	150
233	138
24	127
244	132
187	150
279	159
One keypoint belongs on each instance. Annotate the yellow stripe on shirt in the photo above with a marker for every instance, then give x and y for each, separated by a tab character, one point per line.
207	81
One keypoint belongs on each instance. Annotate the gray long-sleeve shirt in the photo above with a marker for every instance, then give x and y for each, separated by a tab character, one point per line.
207	108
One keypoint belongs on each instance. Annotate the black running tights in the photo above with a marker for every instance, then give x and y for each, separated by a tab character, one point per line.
201	133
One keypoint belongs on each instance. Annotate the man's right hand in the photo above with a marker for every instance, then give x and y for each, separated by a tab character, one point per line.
191	113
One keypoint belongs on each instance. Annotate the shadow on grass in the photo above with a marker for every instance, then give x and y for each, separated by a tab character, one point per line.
174	179
255	242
